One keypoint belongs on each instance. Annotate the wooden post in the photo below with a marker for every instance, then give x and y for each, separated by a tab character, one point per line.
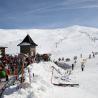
22	71
16	72
29	75
52	74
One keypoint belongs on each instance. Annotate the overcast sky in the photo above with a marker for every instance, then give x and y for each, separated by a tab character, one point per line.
47	13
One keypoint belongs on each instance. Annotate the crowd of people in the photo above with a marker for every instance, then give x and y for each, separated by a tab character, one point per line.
11	65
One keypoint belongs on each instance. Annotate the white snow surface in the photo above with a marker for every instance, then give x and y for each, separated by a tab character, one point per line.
66	42
41	86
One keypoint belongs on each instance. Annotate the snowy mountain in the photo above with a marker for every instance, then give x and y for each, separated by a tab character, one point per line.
61	42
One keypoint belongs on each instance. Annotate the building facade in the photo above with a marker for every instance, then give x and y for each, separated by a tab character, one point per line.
28	46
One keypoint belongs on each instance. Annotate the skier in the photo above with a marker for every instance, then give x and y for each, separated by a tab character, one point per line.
59	59
62	58
93	54
89	56
80	55
33	74
72	66
82	66
75	62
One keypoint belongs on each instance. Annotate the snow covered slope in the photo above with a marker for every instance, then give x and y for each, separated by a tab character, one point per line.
60	42
41	86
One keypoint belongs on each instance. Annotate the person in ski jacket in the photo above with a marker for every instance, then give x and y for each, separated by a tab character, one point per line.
82	66
89	56
72	66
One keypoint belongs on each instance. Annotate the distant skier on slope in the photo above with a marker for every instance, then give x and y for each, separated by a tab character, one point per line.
93	54
89	56
82	66
81	55
83	61
72	66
